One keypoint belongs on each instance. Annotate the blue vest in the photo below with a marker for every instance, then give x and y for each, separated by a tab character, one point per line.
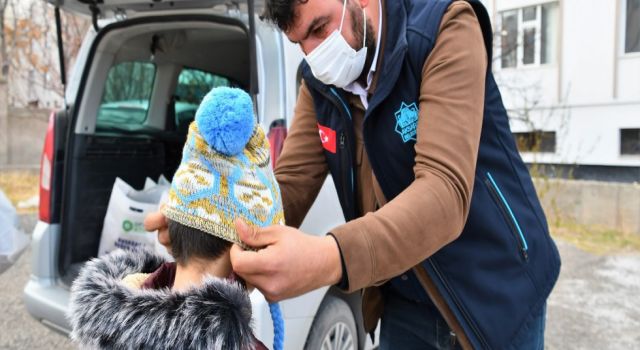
504	264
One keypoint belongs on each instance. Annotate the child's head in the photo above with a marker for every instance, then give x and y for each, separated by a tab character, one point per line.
224	175
189	243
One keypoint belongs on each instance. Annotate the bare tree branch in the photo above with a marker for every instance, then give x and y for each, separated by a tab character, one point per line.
32	50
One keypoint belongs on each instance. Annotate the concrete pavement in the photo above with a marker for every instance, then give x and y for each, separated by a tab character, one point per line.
595	305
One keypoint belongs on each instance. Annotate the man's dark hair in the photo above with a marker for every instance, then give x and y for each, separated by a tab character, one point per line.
281	13
188	242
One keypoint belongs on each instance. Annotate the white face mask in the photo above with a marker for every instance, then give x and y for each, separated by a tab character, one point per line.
334	61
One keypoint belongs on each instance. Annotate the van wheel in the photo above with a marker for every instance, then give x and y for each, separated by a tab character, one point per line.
334	327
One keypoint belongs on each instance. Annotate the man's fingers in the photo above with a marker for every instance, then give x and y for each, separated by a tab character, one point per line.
164	238
155	221
256	270
255	237
246	263
237	258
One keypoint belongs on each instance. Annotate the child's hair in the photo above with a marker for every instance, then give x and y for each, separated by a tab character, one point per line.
188	243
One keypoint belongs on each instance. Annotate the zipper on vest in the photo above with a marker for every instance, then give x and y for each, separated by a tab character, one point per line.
345	157
343	145
345	163
463	312
344	105
508	215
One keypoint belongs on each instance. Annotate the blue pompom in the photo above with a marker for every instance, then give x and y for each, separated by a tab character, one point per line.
225	119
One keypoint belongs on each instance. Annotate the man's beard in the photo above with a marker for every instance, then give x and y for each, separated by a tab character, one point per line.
358	32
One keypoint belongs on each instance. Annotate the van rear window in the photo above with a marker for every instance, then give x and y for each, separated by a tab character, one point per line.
193	85
127	91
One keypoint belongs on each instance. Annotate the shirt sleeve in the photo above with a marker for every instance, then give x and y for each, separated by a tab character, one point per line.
432	211
302	167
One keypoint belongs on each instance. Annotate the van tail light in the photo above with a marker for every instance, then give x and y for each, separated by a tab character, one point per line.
277	134
46	171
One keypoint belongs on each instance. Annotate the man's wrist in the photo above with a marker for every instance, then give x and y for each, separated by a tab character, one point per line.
343	282
333	256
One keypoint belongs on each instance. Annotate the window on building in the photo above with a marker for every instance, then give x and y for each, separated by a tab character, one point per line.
509	39
530	31
632	29
630	141
528	35
536	141
529	48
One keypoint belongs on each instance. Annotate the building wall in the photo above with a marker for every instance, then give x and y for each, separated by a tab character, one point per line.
22	138
588	94
27	129
609	205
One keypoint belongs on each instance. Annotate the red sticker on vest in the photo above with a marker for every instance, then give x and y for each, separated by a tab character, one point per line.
328	138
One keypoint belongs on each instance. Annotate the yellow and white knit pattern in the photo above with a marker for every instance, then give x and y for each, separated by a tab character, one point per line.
210	190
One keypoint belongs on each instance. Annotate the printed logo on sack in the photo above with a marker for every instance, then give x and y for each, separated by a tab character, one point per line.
127	225
328	138
407	121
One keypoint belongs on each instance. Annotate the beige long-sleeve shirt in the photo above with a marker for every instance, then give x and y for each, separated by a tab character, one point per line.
431	212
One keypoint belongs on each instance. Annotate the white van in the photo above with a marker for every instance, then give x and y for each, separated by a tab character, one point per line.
140	74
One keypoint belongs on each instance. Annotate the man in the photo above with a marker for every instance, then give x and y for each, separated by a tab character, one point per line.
444	229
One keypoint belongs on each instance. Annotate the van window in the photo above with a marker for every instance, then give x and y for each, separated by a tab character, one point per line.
192	86
127	91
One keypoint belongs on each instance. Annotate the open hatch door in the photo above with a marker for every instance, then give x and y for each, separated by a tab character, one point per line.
122	9
113	8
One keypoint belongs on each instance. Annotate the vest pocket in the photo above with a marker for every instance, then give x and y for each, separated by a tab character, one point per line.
508	215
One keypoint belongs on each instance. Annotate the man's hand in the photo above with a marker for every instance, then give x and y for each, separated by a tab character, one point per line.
289	262
157	221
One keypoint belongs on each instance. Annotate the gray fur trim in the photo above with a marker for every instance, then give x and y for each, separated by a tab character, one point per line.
106	314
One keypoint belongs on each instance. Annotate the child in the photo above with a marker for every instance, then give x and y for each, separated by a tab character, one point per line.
136	300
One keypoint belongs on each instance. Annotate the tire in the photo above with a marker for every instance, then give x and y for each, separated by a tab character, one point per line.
334	327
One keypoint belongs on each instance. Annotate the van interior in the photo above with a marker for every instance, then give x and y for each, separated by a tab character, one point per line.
140	89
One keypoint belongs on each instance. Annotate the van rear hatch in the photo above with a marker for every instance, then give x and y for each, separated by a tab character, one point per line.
95	155
123	9
112	8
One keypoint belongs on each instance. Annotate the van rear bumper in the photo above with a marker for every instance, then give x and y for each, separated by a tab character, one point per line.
45	245
47	302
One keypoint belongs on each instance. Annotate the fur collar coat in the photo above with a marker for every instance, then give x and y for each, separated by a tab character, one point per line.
106	313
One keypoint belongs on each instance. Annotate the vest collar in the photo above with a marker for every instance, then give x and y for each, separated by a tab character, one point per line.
395	47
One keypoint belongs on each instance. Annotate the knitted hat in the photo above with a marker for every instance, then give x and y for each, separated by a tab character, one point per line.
224	174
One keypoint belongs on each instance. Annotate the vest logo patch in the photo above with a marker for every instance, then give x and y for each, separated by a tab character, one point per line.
328	138
407	121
